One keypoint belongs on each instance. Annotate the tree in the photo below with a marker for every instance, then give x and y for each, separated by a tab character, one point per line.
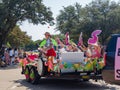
98	14
18	38
32	45
69	20
103	15
14	11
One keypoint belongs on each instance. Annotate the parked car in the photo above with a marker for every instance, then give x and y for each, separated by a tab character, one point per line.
108	72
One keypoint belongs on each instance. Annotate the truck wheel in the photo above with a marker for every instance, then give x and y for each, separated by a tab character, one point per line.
34	76
27	74
85	80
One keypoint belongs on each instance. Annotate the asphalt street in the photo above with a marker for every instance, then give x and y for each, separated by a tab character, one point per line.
11	79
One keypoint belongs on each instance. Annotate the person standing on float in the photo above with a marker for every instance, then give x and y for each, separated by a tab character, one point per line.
47	48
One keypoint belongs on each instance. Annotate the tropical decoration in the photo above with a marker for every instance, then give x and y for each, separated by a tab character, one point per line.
27	73
88	66
32	75
58	40
80	41
56	67
76	66
21	62
69	65
100	64
67	38
49	63
94	39
61	66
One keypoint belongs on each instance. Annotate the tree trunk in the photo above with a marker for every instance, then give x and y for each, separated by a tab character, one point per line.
3	36
1	44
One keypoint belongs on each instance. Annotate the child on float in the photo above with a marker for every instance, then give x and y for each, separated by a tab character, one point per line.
51	54
47	47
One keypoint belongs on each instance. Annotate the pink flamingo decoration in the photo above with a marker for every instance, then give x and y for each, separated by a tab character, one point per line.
58	40
80	42
94	36
67	38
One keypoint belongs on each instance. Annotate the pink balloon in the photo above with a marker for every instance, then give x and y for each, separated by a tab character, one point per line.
94	36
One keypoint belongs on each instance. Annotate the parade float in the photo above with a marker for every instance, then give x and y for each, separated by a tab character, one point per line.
73	65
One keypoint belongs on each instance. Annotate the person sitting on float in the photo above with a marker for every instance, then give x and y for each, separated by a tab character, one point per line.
96	51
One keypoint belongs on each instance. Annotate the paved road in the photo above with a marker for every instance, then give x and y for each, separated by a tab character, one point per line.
11	79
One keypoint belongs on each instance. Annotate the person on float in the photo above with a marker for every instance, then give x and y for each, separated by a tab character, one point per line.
47	47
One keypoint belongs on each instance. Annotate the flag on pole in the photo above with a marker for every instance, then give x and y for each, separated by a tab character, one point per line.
67	38
80	42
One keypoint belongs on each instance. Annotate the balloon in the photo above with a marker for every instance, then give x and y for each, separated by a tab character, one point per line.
94	36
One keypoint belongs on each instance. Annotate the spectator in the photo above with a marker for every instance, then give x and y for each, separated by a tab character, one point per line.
11	53
16	56
7	57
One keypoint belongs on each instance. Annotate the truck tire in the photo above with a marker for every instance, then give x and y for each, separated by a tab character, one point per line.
34	76
27	73
85	80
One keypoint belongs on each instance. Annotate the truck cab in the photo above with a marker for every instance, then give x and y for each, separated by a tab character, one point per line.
108	72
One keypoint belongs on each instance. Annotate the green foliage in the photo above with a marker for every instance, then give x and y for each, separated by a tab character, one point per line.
98	14
14	11
33	45
18	38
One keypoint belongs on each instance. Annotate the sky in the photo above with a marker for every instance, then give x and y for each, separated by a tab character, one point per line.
37	31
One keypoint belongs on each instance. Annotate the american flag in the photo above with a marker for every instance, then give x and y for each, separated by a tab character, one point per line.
80	42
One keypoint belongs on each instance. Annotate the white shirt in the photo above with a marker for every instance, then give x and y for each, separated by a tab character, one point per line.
11	53
16	53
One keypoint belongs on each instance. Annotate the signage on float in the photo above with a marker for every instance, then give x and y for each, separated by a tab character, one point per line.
117	60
